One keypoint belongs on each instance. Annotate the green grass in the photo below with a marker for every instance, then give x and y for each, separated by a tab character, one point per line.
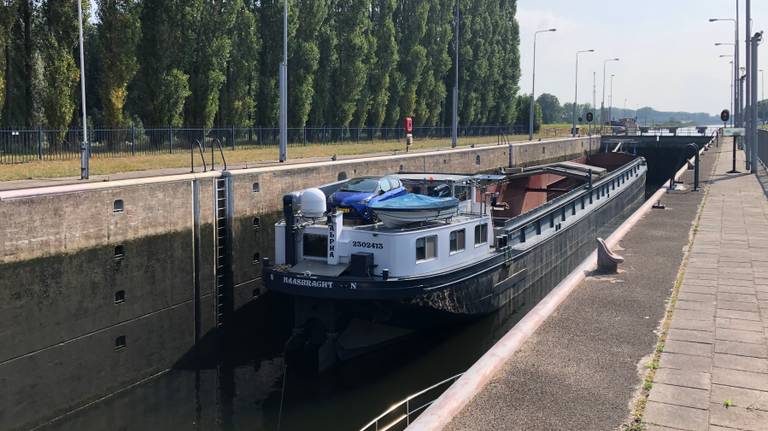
240	156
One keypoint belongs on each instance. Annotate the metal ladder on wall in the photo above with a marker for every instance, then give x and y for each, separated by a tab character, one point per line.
223	274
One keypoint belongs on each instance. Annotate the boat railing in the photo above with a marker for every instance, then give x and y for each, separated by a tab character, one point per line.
402	413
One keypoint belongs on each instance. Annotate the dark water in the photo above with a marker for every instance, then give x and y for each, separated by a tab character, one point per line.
246	385
249	387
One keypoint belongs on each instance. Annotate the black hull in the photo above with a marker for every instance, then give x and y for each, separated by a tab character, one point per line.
466	292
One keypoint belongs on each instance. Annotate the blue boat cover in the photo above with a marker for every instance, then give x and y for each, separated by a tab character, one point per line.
413	202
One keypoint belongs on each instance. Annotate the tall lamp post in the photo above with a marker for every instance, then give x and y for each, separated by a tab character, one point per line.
85	146
455	113
610	103
533	84
602	104
735	22
284	90
576	89
732	82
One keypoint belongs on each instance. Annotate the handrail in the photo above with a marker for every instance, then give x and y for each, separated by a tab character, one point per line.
202	156
406	402
217	141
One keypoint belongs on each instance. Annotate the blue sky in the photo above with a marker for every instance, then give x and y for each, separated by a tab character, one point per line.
668	57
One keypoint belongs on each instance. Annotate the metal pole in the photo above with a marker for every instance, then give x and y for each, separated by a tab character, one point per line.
748	81
602	103
455	113
85	148
737	97
755	42
284	90
610	103
532	110
576	90
731	62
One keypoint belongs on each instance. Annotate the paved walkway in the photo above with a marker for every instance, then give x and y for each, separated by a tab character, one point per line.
713	372
579	370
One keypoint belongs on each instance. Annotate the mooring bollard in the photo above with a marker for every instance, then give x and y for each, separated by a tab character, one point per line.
696	166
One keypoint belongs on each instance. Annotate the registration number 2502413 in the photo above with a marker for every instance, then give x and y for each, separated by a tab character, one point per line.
368	244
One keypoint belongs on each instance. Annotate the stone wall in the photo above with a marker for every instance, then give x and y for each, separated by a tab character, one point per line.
93	299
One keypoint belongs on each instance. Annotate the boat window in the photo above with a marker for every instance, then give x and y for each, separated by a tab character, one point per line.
481	234
458	240
315	245
384	185
426	248
361	185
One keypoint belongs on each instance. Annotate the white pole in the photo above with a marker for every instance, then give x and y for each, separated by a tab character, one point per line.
576	90
284	90
85	147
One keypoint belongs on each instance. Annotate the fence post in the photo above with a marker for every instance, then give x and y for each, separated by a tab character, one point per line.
233	138
39	144
133	139
170	138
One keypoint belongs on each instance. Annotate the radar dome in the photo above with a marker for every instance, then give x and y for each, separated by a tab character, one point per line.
312	203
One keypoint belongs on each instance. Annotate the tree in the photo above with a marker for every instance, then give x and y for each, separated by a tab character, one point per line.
118	34
58	41
432	90
237	103
304	59
21	67
6	19
352	26
523	109
386	60
321	113
412	18
551	111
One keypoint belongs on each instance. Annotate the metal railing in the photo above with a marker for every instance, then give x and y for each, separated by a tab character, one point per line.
23	145
400	414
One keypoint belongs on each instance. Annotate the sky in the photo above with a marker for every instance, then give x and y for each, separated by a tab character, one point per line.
668	59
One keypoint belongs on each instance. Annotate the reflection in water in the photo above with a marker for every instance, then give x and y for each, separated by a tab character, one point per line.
249	387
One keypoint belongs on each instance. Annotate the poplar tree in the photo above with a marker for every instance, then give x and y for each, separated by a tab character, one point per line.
432	93
117	35
20	67
386	60
352	26
304	59
321	113
57	43
238	95
5	26
412	28
271	20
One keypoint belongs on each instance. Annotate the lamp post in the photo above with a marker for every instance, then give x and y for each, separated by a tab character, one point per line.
602	104
455	113
735	22
284	90
85	146
754	43
576	89
533	83
732	81
610	103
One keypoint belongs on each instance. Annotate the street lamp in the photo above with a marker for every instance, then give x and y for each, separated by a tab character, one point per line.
732	81
610	102
576	89
602	104
455	106
533	83
735	22
283	156
85	146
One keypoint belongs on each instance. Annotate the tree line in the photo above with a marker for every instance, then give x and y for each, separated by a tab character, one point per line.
207	63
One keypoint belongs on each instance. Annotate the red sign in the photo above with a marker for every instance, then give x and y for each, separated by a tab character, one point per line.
408	124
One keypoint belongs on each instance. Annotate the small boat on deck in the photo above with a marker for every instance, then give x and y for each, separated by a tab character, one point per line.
413	208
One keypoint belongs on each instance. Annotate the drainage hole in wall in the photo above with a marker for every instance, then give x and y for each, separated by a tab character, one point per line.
256	187
119	252
119	296
256	258
341	176
118	206
120	342
256	222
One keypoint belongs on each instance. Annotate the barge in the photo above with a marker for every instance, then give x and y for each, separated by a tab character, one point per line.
509	231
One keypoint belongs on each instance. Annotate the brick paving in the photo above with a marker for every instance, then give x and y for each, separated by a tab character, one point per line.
713	373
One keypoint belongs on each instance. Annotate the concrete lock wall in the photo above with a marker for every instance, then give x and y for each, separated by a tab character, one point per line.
93	299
